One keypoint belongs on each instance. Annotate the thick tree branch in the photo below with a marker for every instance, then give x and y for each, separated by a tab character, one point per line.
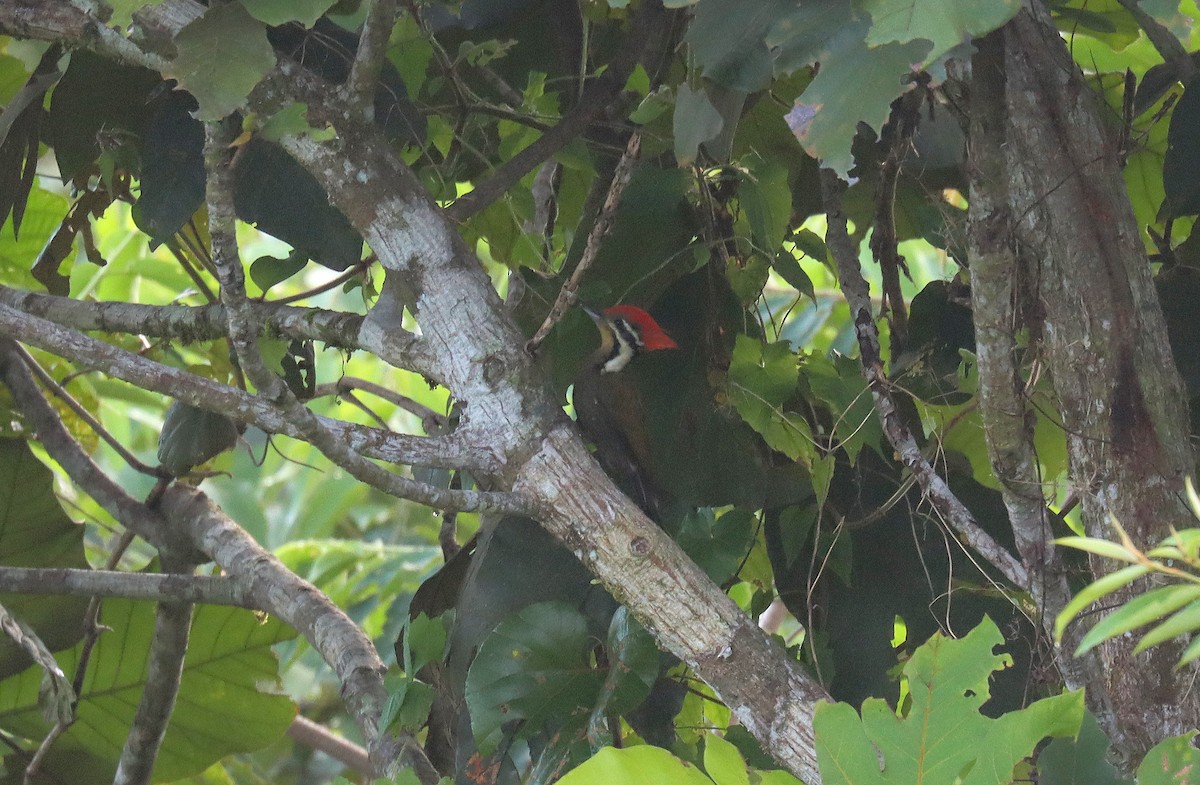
243	337
997	300
208	323
161	587
439	452
334	635
1121	402
935	488
768	692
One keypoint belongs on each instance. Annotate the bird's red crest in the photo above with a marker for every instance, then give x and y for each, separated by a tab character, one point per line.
653	336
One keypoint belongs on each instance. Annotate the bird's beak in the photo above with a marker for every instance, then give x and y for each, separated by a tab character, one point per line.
597	317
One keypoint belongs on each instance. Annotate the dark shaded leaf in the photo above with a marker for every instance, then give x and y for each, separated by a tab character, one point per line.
281	198
1079	761
328	50
96	97
191	437
35	532
533	667
220	57
172	176
1182	160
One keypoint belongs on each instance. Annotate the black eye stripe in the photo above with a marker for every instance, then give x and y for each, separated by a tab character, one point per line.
627	334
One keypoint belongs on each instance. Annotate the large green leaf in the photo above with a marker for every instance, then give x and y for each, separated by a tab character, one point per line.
943	737
35	532
762	379
224	703
727	37
278	12
1171	762
1079	761
222	56
533	667
1183	155
947	23
635	766
97	99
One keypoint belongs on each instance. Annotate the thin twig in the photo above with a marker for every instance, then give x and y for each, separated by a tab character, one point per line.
243	407
82	413
318	737
432	421
355	270
858	297
569	292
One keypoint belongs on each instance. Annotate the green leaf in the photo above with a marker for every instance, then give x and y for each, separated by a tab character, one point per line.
643	765
765	196
192	436
1094	591
723	762
838	382
633	663
947	23
717	546
1079	761
293	119
943	734
532	667
762	378
1181	623
1183	155
826	123
279	12
35	532
426	641
266	271
407	708
1170	762
788	267
1139	611
1191	652
727	40
696	121
1109	550
1185	621
173	178
96	99
221	57
225	704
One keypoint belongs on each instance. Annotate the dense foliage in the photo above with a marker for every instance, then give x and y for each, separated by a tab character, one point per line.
831	556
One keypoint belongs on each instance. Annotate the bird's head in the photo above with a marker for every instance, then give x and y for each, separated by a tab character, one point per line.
625	332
